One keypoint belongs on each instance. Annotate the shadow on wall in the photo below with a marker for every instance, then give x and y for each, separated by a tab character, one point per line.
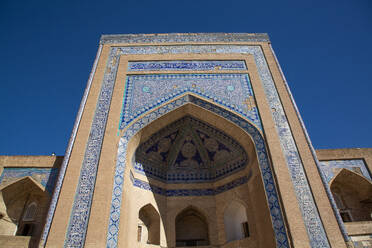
191	228
23	205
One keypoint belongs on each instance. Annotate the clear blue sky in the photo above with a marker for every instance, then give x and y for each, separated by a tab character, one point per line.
48	48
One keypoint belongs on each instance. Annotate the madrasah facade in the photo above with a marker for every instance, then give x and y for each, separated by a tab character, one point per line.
187	140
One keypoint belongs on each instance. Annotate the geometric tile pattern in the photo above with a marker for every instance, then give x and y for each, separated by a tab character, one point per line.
189	37
82	203
189	151
45	176
195	65
188	192
329	168
266	171
145	92
78	223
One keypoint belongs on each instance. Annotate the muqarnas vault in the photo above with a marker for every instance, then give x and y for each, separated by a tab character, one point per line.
187	140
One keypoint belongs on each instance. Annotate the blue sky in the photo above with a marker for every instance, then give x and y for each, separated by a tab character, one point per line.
48	48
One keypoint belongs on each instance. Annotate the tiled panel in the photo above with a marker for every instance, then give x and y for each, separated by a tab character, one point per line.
331	167
45	176
189	151
184	65
145	92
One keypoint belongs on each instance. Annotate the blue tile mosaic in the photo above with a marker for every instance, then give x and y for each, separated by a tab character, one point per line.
184	65
78	223
331	167
45	176
77	226
264	164
144	92
182	38
188	192
189	151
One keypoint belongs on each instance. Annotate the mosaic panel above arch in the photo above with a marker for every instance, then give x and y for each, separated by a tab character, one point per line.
145	92
264	165
187	151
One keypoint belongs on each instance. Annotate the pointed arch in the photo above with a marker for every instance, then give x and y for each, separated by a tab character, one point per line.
353	195
15	199
30	212
236	221
191	228
26	181
149	225
138	132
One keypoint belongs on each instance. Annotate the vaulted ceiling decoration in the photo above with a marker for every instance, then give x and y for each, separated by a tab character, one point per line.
189	150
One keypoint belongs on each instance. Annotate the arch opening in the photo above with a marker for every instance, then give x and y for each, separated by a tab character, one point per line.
18	207
236	222
353	196
191	228
148	225
166	194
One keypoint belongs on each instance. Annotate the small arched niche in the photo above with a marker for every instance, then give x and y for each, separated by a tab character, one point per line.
148	225
30	212
236	222
353	195
19	208
191	228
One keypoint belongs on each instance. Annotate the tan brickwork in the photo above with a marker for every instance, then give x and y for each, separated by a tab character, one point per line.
321	199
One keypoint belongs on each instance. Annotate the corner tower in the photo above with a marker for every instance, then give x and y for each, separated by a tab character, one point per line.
189	140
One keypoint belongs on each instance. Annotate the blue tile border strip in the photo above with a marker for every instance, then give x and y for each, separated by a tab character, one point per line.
266	171
314	226
186	65
182	38
328	165
75	236
62	170
188	192
45	176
